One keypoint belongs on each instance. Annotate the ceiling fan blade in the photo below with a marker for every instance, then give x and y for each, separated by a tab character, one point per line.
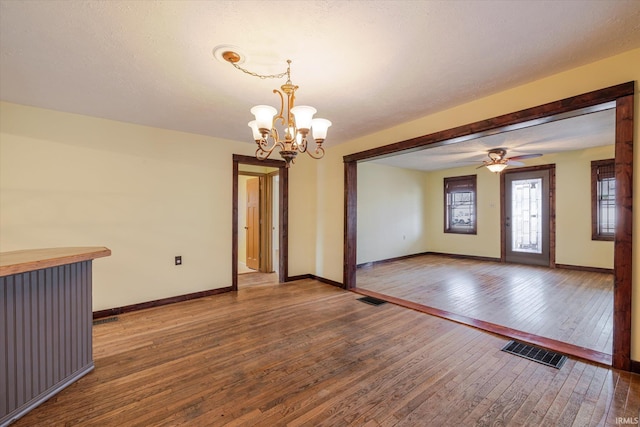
514	163
481	166
524	156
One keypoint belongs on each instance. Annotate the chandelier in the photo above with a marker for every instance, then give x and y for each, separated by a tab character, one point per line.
294	122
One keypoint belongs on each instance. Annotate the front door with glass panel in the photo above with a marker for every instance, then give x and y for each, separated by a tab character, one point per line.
526	225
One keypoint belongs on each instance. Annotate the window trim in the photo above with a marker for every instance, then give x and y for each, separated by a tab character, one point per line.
472	181
595	232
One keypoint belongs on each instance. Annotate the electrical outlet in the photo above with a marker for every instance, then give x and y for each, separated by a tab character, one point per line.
178	260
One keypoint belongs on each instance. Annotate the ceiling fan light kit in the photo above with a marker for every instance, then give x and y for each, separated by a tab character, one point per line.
497	161
496	167
295	122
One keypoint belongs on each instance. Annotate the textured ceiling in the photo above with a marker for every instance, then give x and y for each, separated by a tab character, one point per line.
365	65
574	133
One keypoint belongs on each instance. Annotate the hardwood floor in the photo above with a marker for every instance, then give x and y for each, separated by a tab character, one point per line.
570	306
256	279
309	354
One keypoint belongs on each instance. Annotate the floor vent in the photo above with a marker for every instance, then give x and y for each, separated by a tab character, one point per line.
105	320
540	355
372	300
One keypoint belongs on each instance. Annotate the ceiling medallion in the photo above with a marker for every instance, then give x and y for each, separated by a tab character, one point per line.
294	122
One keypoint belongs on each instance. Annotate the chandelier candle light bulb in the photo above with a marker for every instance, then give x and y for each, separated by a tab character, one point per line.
295	122
303	117
320	128
264	117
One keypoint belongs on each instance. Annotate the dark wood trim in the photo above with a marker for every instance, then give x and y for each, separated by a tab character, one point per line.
283	221
283	208
398	258
585	268
623	244
481	258
249	173
463	256
328	281
559	346
623	95
454	256
635	366
234	227
519	119
318	278
159	302
350	224
552	210
250	160
552	216
299	277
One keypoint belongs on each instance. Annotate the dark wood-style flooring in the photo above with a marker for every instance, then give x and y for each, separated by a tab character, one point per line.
256	279
574	307
309	354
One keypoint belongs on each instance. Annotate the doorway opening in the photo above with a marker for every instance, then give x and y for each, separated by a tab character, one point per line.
258	228
260	220
528	210
622	97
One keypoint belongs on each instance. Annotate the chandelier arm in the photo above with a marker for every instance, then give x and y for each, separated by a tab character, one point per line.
291	99
274	135
302	146
279	116
264	151
263	145
262	154
319	153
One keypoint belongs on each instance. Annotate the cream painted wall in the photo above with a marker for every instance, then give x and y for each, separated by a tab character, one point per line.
392	205
484	243
573	208
303	215
242	167
392	201
573	211
148	194
611	71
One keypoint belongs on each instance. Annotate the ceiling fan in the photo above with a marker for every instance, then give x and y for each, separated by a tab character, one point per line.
498	162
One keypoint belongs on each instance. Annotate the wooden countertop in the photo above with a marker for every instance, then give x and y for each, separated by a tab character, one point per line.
34	259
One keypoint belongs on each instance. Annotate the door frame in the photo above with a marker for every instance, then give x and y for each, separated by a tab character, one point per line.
265	190
623	96
283	209
552	210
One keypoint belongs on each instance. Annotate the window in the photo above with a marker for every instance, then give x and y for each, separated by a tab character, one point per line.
603	199
460	204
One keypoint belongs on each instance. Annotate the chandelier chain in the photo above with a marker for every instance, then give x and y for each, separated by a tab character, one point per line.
251	73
